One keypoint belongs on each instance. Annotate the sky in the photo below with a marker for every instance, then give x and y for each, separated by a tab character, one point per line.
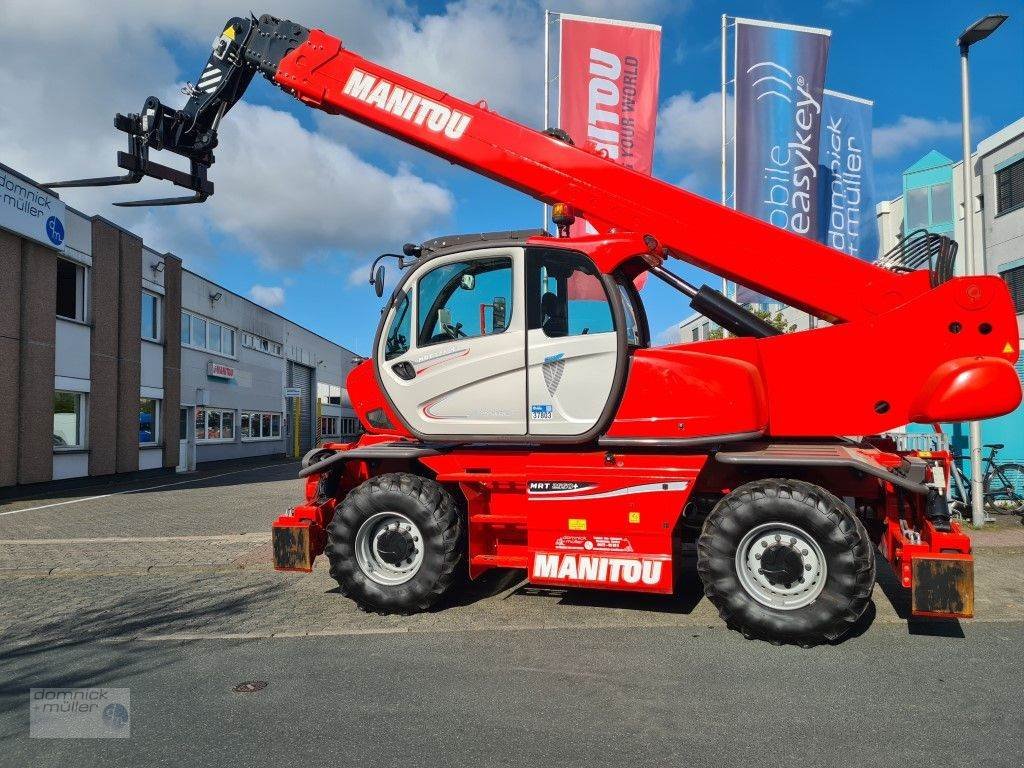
305	200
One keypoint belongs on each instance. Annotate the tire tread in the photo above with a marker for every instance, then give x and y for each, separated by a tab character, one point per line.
721	533
359	504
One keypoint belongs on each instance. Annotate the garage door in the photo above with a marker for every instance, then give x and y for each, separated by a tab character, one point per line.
302	377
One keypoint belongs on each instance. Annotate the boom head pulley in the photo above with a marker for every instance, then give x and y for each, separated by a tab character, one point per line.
243	48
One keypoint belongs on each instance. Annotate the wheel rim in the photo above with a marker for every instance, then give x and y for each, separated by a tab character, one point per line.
781	566
389	548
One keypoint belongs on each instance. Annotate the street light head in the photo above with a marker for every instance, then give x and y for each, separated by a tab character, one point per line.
980	29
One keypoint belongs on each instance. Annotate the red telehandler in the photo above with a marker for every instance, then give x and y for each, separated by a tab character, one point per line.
517	416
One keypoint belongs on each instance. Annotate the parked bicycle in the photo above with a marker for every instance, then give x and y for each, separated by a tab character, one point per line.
1003	483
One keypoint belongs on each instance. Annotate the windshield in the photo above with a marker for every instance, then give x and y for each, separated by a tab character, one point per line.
397	341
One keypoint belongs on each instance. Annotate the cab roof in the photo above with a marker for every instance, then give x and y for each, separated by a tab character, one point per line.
607	251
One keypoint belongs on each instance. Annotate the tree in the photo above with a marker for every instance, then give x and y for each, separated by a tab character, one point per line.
778	320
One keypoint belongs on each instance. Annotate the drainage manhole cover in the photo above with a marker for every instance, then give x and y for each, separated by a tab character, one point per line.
250	686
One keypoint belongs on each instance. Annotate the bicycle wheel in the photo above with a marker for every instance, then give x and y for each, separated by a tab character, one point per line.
1004	488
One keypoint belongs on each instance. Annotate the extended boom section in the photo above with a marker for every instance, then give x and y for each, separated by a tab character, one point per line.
323	74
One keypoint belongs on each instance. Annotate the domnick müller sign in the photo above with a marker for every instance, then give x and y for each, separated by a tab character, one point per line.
29	211
219	371
780	84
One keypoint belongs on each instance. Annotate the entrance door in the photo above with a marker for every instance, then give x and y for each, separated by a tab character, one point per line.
301	376
573	347
186	463
452	358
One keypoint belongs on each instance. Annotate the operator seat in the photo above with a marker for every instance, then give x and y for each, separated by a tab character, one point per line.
555	322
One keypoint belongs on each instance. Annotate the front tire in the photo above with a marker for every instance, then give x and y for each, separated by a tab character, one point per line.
786	561
395	543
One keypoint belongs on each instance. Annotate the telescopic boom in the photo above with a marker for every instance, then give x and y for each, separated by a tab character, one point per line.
315	67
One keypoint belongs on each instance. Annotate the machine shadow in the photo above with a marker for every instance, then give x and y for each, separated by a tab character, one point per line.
98	645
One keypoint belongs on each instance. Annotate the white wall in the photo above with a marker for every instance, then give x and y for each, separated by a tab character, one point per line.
67	465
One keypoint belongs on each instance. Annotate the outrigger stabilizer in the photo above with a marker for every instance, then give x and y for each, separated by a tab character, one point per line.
245	46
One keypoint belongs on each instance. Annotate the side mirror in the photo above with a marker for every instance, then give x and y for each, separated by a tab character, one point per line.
378	281
468	281
498	318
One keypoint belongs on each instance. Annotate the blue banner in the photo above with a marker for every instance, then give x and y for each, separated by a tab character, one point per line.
780	83
848	221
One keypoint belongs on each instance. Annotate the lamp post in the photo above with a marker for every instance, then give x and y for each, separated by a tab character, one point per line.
975	33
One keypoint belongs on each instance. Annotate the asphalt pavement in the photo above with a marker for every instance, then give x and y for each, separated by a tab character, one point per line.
165	587
562	697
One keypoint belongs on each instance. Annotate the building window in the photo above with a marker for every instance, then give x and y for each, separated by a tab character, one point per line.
330	426
929	207
214	426
68	420
349	426
696	334
149	421
328	394
70	290
252	341
942	203
1010	188
917	208
150	316
1015	280
258	425
199	333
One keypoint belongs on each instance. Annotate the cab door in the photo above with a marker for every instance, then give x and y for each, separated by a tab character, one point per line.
572	345
452	356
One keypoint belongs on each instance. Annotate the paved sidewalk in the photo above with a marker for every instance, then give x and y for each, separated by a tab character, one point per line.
194	559
128	555
1004	532
226	499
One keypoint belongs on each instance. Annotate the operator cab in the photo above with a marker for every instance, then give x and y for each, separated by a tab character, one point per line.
495	338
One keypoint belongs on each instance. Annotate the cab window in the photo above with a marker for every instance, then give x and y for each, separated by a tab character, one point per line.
464	300
396	343
633	335
567	297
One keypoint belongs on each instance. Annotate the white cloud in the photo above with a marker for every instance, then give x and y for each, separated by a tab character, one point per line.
270	296
689	139
482	49
909	133
289	194
638	10
843	7
316	197
285	192
491	49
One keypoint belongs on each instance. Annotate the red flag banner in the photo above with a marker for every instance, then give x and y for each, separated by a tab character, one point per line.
608	88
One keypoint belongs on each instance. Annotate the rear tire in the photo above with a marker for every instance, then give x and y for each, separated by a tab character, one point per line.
395	544
786	561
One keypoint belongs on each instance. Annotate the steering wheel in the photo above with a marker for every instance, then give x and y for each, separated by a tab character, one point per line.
396	343
453	331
